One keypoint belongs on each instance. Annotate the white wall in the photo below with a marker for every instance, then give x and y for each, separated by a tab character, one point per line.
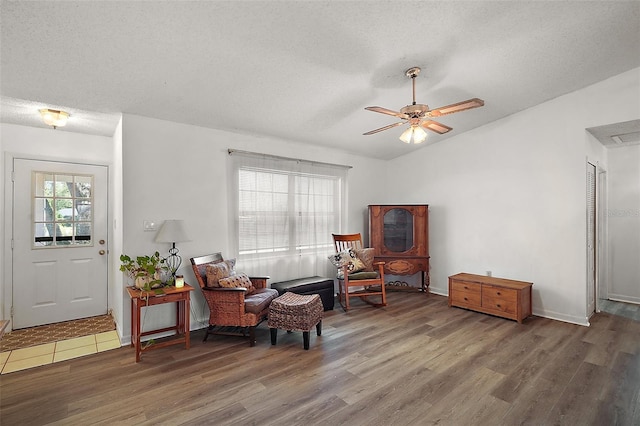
179	171
40	143
509	197
624	223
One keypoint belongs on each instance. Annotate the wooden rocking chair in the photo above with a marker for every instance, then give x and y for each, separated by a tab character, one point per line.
370	281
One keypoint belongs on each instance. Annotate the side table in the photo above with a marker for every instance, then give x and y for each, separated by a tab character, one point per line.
142	298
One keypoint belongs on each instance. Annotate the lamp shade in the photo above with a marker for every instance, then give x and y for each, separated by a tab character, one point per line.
172	231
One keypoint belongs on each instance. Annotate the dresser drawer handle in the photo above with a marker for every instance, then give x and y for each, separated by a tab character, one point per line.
466	299
466	288
498	293
498	305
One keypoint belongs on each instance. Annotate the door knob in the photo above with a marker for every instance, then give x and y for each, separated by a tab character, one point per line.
102	252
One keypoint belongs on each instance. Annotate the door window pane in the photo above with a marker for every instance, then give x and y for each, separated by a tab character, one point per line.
62	210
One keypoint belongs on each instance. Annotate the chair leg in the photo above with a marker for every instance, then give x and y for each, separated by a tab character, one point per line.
252	336
319	328
274	335
209	330
346	298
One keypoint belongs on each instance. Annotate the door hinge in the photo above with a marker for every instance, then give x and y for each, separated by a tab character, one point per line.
12	313
13	176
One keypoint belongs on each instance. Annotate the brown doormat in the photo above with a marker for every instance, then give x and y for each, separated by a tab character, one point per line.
33	336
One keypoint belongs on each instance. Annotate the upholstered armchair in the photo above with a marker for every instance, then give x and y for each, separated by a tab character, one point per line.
237	303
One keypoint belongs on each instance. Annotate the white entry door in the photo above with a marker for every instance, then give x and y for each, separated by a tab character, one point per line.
60	254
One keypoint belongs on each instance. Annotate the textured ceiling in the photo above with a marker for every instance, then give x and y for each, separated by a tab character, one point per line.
304	70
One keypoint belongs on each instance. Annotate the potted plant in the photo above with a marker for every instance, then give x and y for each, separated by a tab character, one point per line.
145	271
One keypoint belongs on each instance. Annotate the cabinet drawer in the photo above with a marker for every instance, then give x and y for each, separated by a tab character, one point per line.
466	287
465	298
498	304
499	293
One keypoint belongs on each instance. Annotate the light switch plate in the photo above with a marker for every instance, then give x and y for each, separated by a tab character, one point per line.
149	225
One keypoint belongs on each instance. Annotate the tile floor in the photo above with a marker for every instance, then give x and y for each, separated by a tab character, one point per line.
48	353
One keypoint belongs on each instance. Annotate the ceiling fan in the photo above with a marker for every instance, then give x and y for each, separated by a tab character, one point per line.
416	115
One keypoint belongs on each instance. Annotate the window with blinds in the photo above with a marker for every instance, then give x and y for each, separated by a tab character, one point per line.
286	206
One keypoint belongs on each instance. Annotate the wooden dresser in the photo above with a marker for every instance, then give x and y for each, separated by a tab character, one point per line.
490	295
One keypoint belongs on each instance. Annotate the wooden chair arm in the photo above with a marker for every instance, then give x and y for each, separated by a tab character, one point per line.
224	289
265	277
259	282
216	295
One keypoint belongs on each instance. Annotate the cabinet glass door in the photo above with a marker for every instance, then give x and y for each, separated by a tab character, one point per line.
398	230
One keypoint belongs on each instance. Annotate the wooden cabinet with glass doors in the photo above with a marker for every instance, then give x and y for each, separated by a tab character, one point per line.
400	236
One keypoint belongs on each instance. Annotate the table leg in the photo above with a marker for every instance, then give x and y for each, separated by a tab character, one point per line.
136	333
133	320
179	317
187	325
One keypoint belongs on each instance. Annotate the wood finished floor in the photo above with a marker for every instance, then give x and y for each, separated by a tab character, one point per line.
415	362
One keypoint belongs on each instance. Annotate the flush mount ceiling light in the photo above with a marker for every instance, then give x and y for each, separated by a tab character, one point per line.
415	115
54	117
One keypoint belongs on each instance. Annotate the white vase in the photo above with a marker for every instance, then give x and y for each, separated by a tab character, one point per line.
141	282
144	280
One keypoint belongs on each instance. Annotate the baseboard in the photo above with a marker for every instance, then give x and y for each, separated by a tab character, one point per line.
558	316
623	298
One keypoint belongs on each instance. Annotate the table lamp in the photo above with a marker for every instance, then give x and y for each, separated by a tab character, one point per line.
172	231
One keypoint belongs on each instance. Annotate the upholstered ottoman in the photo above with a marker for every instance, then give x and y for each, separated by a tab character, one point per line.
296	312
309	285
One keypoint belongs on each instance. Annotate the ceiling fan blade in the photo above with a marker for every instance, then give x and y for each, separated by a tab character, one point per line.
390	126
387	111
434	126
457	107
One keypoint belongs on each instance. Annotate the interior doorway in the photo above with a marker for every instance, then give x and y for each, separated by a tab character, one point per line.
592	238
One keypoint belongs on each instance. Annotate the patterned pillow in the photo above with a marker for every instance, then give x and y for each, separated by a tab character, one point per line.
349	258
366	256
238	280
216	271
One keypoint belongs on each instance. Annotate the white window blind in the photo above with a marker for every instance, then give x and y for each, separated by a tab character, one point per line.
284	212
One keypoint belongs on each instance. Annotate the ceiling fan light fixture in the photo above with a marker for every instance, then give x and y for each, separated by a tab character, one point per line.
413	134
54	117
